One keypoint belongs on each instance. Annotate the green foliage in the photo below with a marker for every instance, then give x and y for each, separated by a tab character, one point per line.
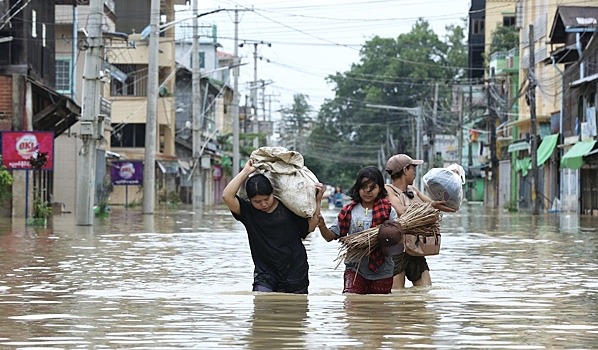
296	122
401	72
172	199
504	39
41	209
103	193
5	182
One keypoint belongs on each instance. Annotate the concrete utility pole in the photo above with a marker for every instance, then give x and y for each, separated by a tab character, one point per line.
254	109
460	129
89	119
253	92
236	156
197	111
531	94
492	130
149	167
432	141
418	113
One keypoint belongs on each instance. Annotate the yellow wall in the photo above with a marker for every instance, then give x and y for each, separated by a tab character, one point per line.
541	14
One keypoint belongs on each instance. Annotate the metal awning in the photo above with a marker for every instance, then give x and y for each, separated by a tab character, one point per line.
519	146
589	79
573	159
546	147
527	121
59	112
168	167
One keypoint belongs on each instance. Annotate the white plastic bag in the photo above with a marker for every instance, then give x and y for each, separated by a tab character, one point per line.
443	184
294	184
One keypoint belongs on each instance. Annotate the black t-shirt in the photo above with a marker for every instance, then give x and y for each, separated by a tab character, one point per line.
277	250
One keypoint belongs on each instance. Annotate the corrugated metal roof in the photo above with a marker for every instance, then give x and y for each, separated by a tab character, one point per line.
568	17
578	16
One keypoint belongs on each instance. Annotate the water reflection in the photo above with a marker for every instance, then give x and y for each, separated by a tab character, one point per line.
278	321
182	278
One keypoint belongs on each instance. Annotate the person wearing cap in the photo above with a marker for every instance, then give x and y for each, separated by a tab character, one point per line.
402	193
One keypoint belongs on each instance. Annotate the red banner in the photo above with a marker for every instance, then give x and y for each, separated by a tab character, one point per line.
24	149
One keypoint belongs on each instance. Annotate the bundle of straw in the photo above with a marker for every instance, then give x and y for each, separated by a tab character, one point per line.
419	218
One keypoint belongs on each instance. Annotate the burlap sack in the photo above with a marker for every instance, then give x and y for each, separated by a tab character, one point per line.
294	184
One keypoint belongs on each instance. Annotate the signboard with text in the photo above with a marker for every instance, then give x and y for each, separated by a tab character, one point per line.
127	172
28	150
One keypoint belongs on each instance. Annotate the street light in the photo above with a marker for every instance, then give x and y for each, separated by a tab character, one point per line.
418	113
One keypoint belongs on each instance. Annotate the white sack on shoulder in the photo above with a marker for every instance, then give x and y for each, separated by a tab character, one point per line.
294	184
442	184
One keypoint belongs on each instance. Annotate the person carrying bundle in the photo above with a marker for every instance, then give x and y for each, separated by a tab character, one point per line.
402	193
275	233
369	207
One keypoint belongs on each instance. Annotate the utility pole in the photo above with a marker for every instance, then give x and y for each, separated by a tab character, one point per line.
253	89
89	119
432	141
492	130
419	111
531	94
460	129
419	114
149	167
197	189
236	156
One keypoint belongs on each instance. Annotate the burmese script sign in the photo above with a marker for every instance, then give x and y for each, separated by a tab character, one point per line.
21	149
127	172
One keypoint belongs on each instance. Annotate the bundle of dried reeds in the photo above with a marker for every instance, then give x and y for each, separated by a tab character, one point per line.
419	218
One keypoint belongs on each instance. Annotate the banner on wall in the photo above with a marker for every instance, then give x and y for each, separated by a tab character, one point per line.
127	172
28	150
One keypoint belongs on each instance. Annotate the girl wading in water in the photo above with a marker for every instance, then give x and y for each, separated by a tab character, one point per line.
368	208
275	233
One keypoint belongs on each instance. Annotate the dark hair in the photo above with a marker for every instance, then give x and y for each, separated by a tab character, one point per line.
370	175
258	185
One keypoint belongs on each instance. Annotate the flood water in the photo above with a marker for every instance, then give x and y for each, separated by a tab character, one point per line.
182	279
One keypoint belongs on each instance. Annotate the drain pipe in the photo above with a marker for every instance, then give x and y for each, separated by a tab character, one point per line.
579	52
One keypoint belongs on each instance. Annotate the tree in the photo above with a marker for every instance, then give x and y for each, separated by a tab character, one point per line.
504	38
296	121
402	72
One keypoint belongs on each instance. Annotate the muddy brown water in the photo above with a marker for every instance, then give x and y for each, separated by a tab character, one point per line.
182	279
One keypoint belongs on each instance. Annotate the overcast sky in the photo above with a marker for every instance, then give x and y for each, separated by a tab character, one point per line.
311	39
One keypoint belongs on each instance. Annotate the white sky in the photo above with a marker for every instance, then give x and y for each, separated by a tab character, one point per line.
311	39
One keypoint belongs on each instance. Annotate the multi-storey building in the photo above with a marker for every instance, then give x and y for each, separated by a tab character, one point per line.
30	99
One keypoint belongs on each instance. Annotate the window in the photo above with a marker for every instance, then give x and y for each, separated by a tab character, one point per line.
128	135
202	60
477	26
508	21
63	75
34	23
134	85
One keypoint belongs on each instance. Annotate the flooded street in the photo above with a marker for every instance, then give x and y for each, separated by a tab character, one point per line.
180	279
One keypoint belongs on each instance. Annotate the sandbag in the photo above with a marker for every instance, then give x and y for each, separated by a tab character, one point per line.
443	184
294	184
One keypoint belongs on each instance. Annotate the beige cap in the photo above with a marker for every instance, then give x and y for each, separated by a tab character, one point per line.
399	162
